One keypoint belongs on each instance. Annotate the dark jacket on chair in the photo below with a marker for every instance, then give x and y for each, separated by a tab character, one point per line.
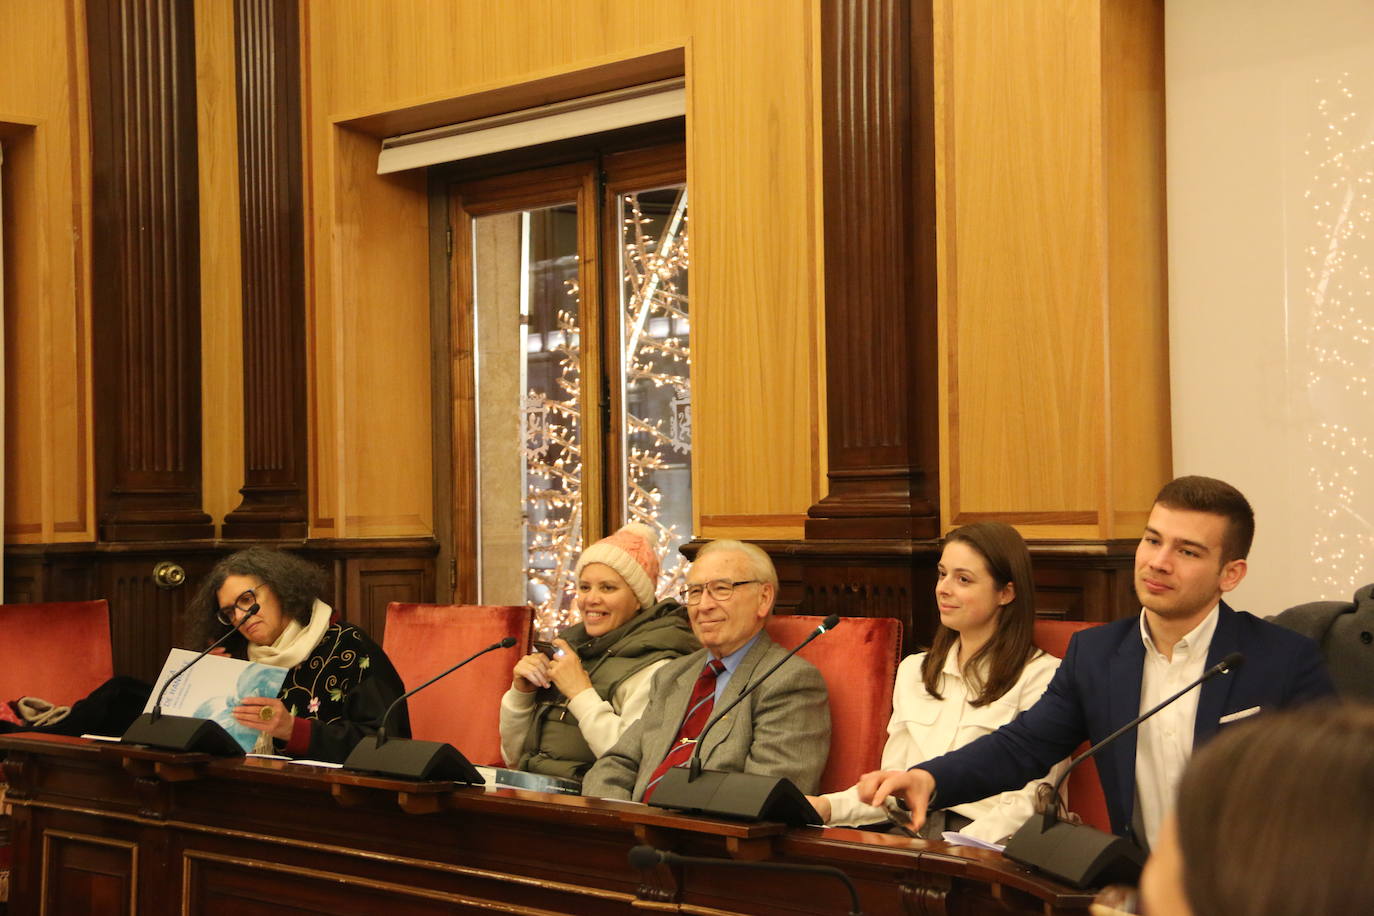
1345	632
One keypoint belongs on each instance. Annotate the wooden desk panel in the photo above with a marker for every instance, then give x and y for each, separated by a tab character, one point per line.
152	833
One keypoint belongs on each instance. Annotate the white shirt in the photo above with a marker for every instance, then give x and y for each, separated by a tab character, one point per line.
923	727
601	722
1165	740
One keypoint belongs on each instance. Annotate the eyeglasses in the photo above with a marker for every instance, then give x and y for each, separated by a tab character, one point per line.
719	589
242	605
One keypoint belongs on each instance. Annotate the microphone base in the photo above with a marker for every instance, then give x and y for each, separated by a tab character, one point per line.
182	733
407	759
1076	853
739	796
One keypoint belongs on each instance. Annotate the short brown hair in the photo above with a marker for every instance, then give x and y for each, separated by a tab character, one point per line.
1274	815
1217	497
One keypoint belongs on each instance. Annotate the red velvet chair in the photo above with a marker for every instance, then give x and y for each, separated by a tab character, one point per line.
464	708
859	663
1085	789
58	651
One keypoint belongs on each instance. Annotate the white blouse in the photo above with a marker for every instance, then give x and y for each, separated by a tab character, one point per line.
601	722
923	727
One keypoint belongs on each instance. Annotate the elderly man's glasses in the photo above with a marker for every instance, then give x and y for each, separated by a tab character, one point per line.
242	605
719	589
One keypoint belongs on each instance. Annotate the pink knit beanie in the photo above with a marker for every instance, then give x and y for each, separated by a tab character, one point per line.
633	552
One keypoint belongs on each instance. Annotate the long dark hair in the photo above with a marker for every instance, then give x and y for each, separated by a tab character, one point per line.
995	668
295	582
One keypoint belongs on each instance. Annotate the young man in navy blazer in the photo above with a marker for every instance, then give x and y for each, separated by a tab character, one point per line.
1192	552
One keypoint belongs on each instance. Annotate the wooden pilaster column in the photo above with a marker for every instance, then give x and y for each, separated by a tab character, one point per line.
267	43
146	254
880	290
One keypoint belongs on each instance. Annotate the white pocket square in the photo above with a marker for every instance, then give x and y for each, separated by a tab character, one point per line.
1243	714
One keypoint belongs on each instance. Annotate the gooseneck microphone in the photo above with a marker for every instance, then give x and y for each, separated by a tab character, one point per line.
186	733
408	759
1228	664
386	716
1077	853
744	796
694	765
648	857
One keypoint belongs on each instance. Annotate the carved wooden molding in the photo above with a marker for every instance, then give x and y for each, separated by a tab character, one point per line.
877	117
146	255
272	238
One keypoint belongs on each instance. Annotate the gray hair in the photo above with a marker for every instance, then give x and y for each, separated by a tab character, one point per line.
759	560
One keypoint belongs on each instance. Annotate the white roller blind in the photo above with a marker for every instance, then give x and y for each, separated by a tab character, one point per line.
533	126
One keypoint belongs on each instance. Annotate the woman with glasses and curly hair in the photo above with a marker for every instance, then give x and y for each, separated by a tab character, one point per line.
340	682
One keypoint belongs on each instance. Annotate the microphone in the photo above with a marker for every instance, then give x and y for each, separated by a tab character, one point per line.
1082	855
185	733
747	796
409	759
648	857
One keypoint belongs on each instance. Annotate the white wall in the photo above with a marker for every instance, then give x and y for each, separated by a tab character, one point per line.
1271	278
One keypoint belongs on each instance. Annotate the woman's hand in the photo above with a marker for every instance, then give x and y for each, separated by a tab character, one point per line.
220	650
567	672
531	673
822	806
265	715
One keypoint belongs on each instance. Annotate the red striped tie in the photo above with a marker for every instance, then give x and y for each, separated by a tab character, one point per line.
698	712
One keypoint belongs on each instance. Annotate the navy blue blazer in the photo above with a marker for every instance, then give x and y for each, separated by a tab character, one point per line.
1097	690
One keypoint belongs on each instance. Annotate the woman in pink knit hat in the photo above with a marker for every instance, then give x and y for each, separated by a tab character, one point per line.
562	713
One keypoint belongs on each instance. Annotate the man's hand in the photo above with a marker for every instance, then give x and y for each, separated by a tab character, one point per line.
914	787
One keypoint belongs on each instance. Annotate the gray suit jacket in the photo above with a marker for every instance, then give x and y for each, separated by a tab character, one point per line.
782	729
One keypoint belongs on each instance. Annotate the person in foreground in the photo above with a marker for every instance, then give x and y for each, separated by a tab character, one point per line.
782	729
1272	820
1192	552
561	714
340	683
981	671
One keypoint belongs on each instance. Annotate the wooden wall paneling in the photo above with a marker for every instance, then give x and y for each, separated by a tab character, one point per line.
1054	322
757	385
274	378
87	873
146	253
375	583
1139	428
221	287
880	300
49	491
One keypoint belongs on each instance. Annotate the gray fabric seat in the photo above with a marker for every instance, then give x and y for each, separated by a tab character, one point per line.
1345	632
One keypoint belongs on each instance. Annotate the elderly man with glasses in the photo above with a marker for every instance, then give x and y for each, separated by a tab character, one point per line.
782	729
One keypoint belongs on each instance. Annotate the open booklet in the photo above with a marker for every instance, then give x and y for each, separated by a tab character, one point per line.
213	687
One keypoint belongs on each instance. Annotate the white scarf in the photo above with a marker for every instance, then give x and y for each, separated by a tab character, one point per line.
290	649
296	641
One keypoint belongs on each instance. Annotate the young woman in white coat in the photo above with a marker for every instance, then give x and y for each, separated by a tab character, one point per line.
980	672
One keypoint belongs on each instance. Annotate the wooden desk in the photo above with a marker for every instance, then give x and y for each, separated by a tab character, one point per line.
105	829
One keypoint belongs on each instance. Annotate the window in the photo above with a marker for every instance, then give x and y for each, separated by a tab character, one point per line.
571	382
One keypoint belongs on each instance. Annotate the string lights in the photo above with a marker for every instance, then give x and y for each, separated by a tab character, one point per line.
1340	339
655	361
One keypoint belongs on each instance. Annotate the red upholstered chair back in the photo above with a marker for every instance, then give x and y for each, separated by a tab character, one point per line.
58	652
1085	789
464	708
859	663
